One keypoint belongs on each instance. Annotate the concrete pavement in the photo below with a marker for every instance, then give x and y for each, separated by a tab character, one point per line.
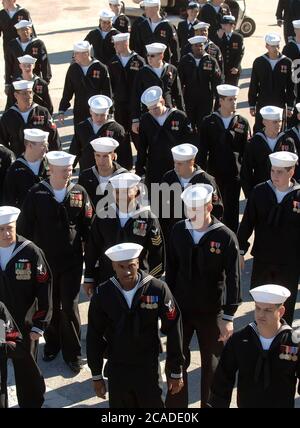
59	25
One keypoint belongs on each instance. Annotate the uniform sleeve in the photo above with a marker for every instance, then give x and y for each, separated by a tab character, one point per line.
54	140
43	293
171	326
45	64
9	190
247	224
4	135
174	46
67	93
85	216
224	378
156	250
240	54
106	84
172	262
233	280
280	10
26	219
203	153
9	66
247	170
93	248
290	85
177	93
95	342
253	87
135	98
75	148
142	152
216	77
46	99
218	207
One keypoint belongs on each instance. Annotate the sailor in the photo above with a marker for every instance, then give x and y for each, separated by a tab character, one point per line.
223	139
185	29
212	12
199	75
99	124
26	44
26	114
203	272
85	78
122	322
272	213
232	47
121	22
264	355
185	173
256	164
57	214
122	217
160	129
157	29
155	73
271	81
7	157
95	179
28	169
101	37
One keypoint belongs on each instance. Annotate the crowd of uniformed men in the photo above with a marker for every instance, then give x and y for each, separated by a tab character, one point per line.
172	93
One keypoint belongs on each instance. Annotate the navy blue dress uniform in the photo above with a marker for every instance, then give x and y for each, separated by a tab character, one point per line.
127	333
12	124
154	156
221	152
165	33
85	132
147	77
7	24
122	82
267	378
7	157
213	15
41	94
185	31
292	137
91	179
83	85
171	203
140	226
203	274
21	176
275	224
37	49
102	42
256	164
294	13
233	49
271	86
30	383
60	228
199	78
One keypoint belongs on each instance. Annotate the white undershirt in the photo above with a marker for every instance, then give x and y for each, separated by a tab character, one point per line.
124	217
96	127
272	142
280	195
12	13
161	119
184	181
25	115
60	194
104	33
5	254
103	182
129	295
273	62
158	70
266	343
84	68
197	61
197	235
24	45
226	121
154	25
217	8
124	60
35	166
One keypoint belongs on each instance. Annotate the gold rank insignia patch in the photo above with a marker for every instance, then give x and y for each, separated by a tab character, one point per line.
76	200
23	271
